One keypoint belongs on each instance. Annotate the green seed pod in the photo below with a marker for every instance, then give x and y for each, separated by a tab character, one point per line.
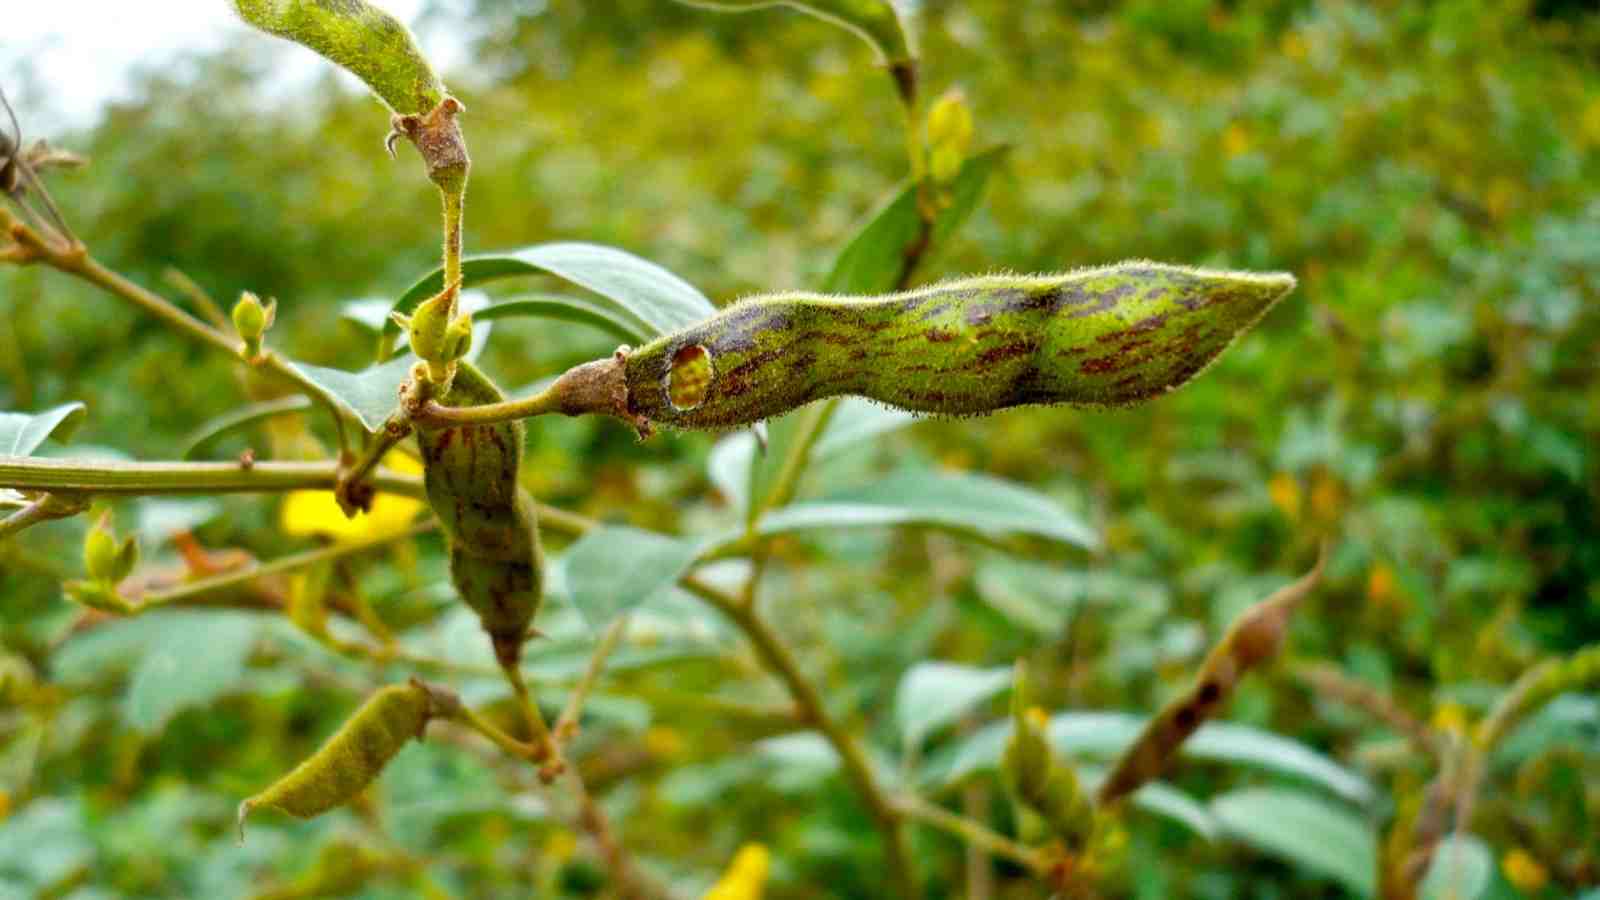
362	38
1036	778
349	761
878	22
1253	639
1098	337
470	473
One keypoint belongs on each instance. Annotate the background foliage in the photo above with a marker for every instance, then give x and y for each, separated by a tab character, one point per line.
1429	395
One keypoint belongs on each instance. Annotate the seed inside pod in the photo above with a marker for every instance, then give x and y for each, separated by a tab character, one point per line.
689	377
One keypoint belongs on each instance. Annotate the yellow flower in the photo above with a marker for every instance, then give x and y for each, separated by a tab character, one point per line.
1450	717
1285	494
746	875
1524	872
316	512
1380	585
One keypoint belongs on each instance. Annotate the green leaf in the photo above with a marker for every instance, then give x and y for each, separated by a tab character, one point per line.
935	694
1462	869
22	433
370	394
1161	799
872	262
195	658
201	439
371	313
578	309
729	465
612	569
1312	833
962	502
1106	735
855	421
650	299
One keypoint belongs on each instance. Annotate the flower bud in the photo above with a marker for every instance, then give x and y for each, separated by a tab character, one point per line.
950	133
251	320
106	559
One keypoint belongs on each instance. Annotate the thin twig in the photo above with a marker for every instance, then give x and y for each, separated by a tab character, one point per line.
45	509
781	660
567	723
149	478
974	833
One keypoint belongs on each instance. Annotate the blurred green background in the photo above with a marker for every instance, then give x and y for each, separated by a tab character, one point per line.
1428	396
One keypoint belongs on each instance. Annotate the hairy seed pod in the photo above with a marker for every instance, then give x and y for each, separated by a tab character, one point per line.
352	758
370	43
1098	337
470	473
1253	639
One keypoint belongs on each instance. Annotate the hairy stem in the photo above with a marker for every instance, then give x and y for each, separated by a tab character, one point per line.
193	590
75	260
45	509
149	478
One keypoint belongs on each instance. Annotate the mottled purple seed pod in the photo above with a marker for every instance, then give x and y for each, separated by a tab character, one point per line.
1111	336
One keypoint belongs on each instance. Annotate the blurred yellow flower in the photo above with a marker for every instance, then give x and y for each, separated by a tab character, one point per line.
1524	872
746	875
5	804
316	512
1380	585
1285	494
1236	140
1450	717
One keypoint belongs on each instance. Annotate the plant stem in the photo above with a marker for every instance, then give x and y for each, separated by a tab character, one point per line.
75	260
567	723
436	415
245	574
44	509
974	833
141	478
781	660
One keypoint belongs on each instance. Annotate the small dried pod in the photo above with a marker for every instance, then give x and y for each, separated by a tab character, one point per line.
355	34
352	758
1111	336
1254	638
1037	779
470	474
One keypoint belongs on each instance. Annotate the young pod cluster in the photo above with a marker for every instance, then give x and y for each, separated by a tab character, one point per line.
1039	781
352	758
1253	639
1111	336
470	473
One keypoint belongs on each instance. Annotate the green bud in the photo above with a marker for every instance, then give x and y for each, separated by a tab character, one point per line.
435	334
100	549
107	559
950	133
1111	336
359	36
251	320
